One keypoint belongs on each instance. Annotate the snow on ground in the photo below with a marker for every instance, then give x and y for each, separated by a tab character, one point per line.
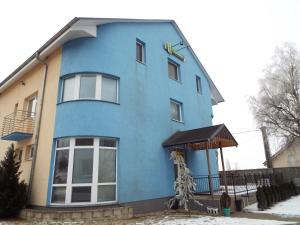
288	208
239	189
168	220
208	220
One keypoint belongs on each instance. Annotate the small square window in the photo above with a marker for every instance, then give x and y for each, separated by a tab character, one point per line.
176	111
63	143
198	85
58	195
140	51
84	142
81	194
173	70
108	142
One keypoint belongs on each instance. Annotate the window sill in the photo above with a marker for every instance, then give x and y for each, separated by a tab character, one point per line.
140	62
178	81
88	100
178	121
83	204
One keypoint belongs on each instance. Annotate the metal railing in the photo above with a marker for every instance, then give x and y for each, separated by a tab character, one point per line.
18	122
236	184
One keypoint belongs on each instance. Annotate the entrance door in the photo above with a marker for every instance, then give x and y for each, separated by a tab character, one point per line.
176	166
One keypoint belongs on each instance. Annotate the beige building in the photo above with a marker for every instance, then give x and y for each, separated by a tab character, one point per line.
288	156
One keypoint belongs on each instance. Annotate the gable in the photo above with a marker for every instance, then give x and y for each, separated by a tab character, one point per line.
87	27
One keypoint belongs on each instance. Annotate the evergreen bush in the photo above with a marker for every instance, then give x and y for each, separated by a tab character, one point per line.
275	193
12	190
294	189
268	196
261	199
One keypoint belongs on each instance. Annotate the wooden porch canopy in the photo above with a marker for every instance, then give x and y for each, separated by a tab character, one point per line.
205	138
200	139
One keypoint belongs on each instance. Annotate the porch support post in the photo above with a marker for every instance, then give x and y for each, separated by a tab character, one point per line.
209	171
223	167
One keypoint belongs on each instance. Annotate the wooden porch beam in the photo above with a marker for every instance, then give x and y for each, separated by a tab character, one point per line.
223	167
209	171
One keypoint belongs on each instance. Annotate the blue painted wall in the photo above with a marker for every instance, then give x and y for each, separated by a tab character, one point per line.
142	119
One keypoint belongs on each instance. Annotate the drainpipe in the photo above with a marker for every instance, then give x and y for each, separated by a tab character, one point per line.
38	125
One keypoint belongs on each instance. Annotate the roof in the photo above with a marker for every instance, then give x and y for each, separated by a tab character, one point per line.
201	138
87	27
284	148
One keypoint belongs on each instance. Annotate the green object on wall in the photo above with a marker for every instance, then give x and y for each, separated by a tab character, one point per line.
168	47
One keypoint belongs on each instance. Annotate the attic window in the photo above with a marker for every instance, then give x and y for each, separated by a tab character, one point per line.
198	85
140	51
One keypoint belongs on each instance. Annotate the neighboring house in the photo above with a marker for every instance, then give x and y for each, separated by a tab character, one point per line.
287	156
89	111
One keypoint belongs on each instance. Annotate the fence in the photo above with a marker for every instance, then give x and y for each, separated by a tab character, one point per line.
18	122
287	174
236	183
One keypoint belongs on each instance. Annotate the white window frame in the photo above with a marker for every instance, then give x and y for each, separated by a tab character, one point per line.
31	111
94	184
98	88
180	110
140	43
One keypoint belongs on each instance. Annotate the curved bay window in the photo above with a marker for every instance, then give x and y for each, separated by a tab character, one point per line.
90	86
85	171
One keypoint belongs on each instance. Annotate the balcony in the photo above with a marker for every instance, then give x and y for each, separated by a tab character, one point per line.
18	126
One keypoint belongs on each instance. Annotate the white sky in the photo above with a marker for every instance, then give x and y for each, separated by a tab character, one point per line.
233	39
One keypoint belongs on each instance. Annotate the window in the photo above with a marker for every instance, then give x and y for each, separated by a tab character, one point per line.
31	106
173	70
69	89
20	155
140	51
85	171
198	85
176	111
89	86
29	152
109	89
16	108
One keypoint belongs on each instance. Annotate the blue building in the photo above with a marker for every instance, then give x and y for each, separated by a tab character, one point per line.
124	87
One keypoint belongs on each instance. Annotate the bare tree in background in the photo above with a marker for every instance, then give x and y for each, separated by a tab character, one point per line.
228	166
277	105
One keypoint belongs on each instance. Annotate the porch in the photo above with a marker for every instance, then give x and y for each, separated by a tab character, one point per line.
213	137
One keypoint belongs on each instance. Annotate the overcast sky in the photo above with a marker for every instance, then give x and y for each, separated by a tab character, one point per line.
233	39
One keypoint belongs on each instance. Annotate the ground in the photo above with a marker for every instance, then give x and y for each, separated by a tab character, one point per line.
166	220
287	212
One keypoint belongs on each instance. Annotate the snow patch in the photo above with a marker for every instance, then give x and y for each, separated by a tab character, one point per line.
207	220
288	208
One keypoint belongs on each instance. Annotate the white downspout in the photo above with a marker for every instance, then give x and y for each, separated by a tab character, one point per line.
38	126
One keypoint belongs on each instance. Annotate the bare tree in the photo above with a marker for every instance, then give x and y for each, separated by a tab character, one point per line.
236	166
228	166
277	105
